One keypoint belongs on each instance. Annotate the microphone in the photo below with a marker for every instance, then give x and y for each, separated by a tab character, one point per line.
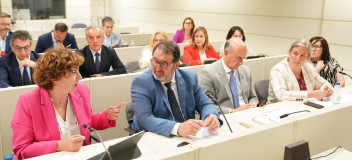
343	73
287	114
216	103
101	140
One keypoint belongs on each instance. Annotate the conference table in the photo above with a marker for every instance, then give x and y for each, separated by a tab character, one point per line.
323	129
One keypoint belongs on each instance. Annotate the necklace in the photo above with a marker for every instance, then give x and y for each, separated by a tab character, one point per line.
60	103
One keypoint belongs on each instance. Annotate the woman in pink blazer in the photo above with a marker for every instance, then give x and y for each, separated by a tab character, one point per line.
200	49
184	35
50	118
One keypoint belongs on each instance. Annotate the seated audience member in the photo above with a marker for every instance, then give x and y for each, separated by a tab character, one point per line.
324	64
200	49
111	38
228	80
58	38
184	35
98	58
49	118
16	68
5	32
157	37
237	32
165	98
295	79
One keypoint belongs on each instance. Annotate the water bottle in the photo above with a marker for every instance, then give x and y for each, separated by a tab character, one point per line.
132	43
336	96
8	157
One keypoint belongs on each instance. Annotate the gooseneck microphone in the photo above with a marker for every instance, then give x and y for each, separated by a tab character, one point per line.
345	74
101	140
287	114
216	103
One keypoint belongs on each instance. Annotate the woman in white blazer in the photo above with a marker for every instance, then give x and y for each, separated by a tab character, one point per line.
295	79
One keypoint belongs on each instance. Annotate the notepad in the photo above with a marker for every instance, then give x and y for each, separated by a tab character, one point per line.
269	117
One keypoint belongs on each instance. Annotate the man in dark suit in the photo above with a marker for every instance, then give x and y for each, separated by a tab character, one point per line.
98	58
5	33
154	99
58	38
216	78
16	68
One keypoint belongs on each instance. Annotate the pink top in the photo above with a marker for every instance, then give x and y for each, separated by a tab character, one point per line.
179	36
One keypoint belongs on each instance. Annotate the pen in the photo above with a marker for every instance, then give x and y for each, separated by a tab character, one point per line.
246	125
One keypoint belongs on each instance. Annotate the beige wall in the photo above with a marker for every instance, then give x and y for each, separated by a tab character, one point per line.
270	26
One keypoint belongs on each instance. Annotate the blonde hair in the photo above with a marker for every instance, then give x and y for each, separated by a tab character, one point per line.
151	41
302	43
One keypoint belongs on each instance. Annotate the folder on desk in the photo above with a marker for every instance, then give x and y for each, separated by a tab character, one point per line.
126	149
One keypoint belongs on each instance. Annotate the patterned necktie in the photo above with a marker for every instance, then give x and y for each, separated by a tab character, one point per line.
233	86
25	77
97	62
176	111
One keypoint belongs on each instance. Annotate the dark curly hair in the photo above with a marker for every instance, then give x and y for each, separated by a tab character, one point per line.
53	65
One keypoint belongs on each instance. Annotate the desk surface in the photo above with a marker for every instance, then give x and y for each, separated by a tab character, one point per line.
266	141
340	154
151	146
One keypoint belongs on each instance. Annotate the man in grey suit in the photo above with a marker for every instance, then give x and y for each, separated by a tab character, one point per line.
228	80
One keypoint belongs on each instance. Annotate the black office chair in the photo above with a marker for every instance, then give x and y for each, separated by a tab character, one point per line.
129	115
261	89
79	25
132	66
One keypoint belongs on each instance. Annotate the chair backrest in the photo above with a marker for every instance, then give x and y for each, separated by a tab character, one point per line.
129	111
132	66
261	89
79	25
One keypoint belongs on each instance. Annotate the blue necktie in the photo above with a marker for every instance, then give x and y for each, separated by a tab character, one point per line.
176	111
25	75
97	62
233	86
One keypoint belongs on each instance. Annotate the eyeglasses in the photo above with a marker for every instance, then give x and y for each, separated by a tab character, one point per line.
188	22
20	48
163	65
316	46
5	24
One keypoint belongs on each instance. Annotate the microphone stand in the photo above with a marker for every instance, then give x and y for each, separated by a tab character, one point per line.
287	114
101	140
216	103
343	73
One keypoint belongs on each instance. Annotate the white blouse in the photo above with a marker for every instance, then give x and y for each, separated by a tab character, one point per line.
70	126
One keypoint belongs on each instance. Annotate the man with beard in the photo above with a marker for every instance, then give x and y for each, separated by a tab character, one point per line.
165	98
5	33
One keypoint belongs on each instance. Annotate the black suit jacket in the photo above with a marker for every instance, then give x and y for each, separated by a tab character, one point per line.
108	58
10	74
45	41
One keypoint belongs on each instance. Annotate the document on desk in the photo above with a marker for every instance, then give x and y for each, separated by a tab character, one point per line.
327	102
269	117
205	133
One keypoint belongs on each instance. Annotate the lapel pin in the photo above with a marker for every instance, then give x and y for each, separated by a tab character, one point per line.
181	83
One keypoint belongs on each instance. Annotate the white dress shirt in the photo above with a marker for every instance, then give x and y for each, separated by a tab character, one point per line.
174	88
